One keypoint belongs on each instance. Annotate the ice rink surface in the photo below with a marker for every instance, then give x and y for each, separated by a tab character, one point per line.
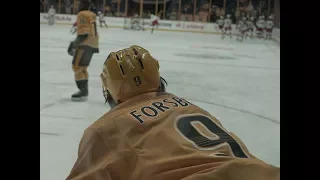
239	83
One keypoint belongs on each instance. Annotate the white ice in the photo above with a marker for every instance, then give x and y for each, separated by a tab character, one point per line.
237	82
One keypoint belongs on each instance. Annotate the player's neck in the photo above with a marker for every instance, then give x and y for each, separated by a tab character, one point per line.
83	10
141	98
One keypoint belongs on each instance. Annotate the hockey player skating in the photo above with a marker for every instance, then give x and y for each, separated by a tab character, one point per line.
150	134
154	22
102	22
135	23
242	28
51	15
83	48
250	27
227	26
260	26
220	23
269	28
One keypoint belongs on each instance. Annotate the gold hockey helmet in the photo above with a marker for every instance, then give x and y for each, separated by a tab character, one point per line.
130	72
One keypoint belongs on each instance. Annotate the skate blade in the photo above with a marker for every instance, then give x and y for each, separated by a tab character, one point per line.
79	99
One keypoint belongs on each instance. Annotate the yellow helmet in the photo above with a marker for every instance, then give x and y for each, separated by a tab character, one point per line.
128	73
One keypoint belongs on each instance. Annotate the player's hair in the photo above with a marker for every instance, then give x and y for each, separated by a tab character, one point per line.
163	84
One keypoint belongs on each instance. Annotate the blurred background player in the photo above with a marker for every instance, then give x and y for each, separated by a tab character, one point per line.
261	24
83	48
242	28
250	27
220	23
227	26
101	20
51	15
154	21
269	27
135	23
150	134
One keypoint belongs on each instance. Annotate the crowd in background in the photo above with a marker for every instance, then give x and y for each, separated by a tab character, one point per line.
191	10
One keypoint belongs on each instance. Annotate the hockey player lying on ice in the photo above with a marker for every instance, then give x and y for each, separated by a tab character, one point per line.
150	134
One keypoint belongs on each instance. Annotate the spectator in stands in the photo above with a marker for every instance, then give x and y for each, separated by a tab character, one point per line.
93	8
173	15
41	5
187	9
203	12
186	14
76	6
237	14
68	6
51	3
108	11
213	15
254	13
218	13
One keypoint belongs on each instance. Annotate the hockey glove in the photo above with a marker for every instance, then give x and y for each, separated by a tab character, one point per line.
76	43
79	40
71	49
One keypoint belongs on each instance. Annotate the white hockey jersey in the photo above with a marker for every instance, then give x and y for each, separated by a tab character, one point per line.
220	22
269	24
51	12
261	24
250	24
101	17
153	17
227	23
241	25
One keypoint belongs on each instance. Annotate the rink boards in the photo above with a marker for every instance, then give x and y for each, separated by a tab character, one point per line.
164	25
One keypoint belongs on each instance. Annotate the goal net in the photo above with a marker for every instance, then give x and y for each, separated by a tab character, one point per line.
133	23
